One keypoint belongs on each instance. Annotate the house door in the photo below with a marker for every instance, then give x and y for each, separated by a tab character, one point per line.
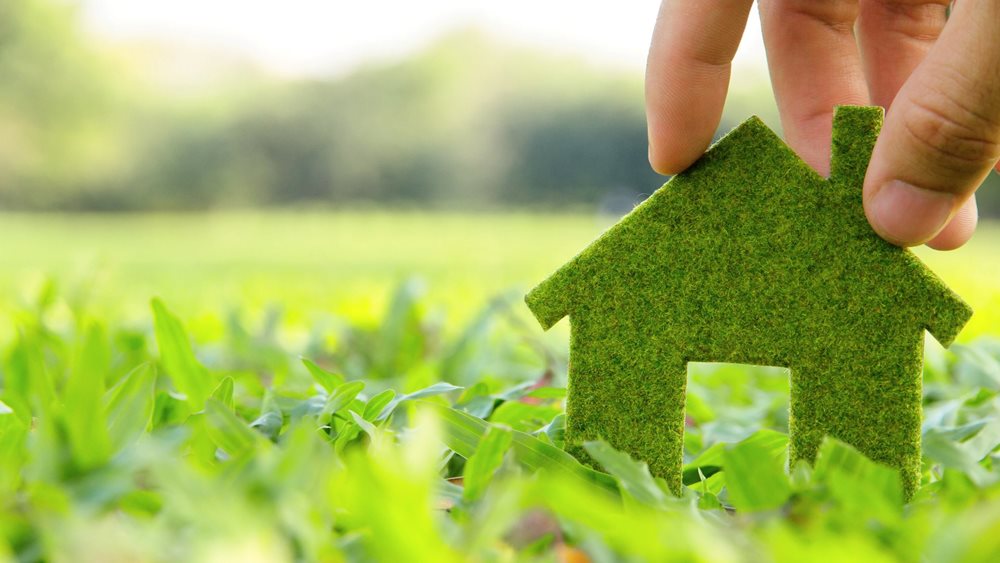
726	402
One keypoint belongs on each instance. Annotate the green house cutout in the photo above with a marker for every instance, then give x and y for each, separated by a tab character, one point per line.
749	256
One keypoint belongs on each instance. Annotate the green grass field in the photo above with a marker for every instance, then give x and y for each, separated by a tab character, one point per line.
343	263
369	386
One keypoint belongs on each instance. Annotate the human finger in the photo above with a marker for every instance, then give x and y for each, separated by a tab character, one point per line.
687	76
814	63
894	37
959	230
942	133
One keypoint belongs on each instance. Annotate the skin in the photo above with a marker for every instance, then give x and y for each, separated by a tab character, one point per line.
940	84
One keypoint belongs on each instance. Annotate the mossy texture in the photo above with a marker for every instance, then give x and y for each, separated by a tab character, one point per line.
750	256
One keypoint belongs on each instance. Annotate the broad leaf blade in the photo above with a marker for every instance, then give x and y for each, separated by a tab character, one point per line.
858	482
710	461
755	478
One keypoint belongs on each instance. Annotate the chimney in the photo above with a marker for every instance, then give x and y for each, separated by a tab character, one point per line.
855	129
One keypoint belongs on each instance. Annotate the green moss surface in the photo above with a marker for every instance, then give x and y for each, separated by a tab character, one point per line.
750	256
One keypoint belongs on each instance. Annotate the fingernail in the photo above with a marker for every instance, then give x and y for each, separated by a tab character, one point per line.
906	215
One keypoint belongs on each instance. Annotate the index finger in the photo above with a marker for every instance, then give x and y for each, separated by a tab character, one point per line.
687	76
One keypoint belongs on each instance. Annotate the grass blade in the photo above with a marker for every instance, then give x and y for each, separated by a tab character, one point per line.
224	393
84	412
479	468
327	379
439	388
130	404
463	433
177	356
341	397
228	432
377	404
364	425
633	476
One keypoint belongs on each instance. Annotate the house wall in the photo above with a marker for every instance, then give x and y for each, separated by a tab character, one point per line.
627	383
867	392
626	386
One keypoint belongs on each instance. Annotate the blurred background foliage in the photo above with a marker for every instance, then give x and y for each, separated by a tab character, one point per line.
467	123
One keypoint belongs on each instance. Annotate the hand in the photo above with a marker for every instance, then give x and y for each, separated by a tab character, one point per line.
941	85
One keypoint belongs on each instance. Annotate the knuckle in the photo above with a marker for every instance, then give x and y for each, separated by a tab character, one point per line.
958	138
917	19
837	15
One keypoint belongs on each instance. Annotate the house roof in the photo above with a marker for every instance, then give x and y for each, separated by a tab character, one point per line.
750	238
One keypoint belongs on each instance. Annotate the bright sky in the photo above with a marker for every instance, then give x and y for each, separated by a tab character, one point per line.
297	37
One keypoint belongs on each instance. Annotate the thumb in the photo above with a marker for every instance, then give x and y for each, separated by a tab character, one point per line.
942	134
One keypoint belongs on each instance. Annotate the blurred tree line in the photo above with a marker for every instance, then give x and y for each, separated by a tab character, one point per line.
58	105
465	124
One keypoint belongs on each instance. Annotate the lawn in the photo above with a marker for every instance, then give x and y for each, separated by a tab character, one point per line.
346	263
369	386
